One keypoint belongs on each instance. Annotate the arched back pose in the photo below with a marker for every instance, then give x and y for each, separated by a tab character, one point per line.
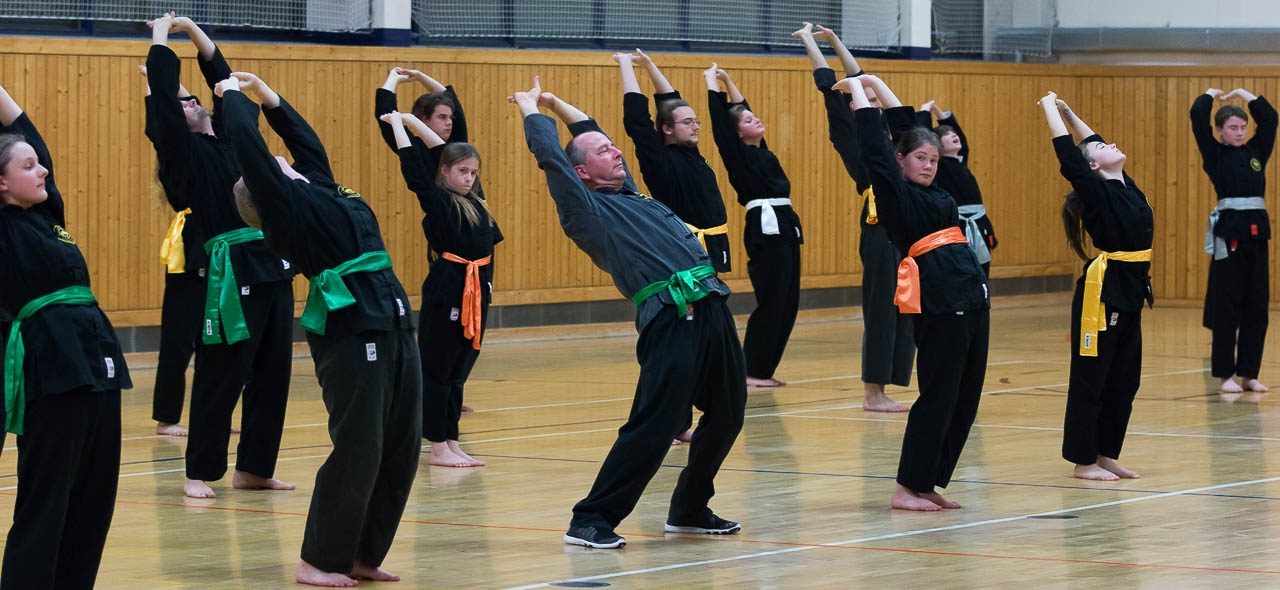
1106	310
946	292
358	326
459	287
955	177
63	374
888	347
1235	305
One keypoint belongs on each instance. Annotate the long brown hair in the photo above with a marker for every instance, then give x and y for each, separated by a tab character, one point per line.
466	204
1073	223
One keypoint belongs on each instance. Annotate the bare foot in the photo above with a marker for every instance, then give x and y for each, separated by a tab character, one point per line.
778	382
875	400
942	502
467	409
443	456
243	480
457	450
807	29
754	382
171	429
1229	385
195	488
683	437
1255	386
363	571
1110	465
308	574
904	499
235	430
1094	472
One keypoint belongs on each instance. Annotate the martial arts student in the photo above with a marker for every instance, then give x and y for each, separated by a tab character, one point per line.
441	110
670	163
359	328
1106	309
247	329
688	348
957	180
459	287
182	253
941	283
63	374
888	348
1235	305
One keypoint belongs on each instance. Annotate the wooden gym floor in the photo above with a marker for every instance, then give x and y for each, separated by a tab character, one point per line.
810	479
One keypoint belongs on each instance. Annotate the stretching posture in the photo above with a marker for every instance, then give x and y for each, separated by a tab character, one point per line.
1106	309
1235	305
955	177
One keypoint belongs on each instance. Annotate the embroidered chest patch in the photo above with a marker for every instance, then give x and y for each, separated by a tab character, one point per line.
63	235
348	193
1255	164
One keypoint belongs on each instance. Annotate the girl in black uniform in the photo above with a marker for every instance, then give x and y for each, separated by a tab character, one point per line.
947	291
887	345
459	286
63	374
1235	306
955	177
772	235
1106	310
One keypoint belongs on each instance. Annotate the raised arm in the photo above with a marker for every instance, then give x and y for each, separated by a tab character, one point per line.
271	189
888	99
1078	126
626	67
723	128
1265	120
418	164
660	83
1201	126
13	119
640	127
1052	115
841	129
566	112
309	156
806	37
166	125
850	65
735	95
877	152
420	129
384	102
948	118
204	45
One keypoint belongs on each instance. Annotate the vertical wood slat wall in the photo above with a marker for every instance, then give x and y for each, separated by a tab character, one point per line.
86	97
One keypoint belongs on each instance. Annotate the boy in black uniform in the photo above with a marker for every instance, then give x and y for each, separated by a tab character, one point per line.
63	374
247	334
1235	305
359	329
688	349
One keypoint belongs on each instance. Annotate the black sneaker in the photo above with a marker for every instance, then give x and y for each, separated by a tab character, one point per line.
711	525
589	536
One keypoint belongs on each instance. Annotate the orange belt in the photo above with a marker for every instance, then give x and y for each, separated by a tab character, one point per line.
907	297
471	296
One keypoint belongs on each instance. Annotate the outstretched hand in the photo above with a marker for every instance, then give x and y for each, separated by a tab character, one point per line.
166	20
397	76
391	118
641	57
806	30
231	83
250	82
1215	93
826	33
623	58
527	100
1050	98
928	106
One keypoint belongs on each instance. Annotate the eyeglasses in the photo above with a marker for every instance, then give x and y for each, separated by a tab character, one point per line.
690	122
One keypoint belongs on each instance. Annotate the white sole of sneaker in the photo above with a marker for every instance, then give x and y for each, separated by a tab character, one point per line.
585	543
693	530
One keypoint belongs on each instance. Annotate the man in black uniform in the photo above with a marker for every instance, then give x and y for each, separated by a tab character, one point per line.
247	335
688	349
359	328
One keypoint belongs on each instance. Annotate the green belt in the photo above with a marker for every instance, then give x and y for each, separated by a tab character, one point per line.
222	298
685	288
329	293
15	395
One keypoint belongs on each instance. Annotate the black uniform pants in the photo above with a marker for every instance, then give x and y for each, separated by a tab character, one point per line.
887	343
1236	309
1102	388
448	358
68	468
261	367
951	366
775	276
180	319
371	387
683	362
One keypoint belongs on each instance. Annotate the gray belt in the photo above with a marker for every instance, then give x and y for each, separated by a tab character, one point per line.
1215	245
969	215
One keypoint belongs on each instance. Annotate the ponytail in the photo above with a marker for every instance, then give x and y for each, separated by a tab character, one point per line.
1073	223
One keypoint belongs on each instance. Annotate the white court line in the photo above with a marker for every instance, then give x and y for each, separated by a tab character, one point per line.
180	469
840	377
898	535
1053	428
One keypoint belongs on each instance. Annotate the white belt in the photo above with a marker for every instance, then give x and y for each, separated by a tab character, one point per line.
970	214
768	219
1215	245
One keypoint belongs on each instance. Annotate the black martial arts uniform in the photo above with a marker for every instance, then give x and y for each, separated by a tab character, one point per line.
957	180
69	449
365	358
203	169
180	321
951	332
447	353
1101	390
688	357
1235	305
773	259
888	346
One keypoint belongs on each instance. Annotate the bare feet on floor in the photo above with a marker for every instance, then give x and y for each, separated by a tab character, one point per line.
905	499
308	574
1229	385
363	571
170	429
875	400
195	488
243	480
1110	465
757	382
683	437
467	409
1094	472
443	456
942	502
1253	384
457	450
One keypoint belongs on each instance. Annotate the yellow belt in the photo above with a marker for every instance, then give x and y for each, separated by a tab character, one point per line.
1093	313
171	252
718	230
871	206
